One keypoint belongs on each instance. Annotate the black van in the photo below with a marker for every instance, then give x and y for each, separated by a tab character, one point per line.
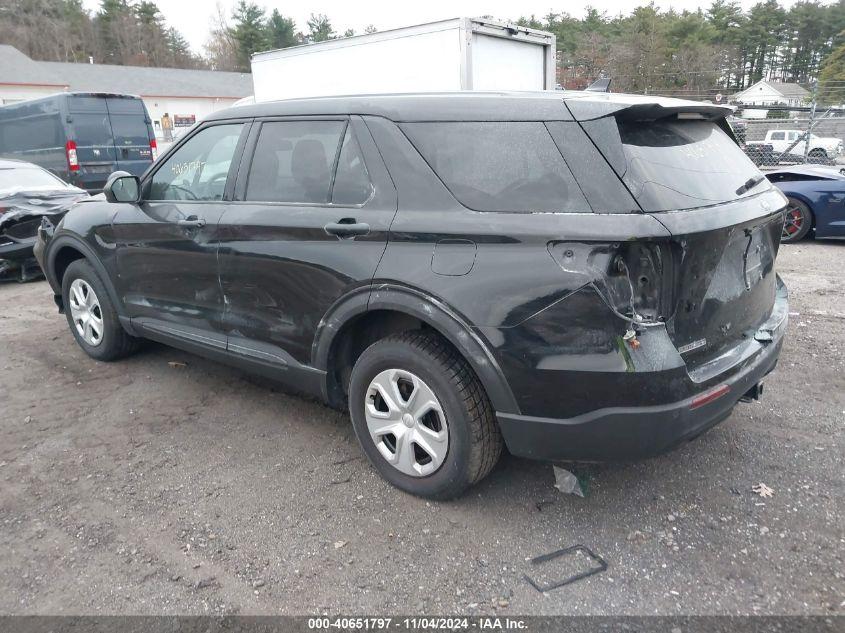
82	137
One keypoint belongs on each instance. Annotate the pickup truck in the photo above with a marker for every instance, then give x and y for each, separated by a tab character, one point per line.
821	149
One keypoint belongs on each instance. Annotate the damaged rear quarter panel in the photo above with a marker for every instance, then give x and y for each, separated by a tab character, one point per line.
550	328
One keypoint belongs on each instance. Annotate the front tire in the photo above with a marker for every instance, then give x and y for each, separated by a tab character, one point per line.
797	221
91	315
422	416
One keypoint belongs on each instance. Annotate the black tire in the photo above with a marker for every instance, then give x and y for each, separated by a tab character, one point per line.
474	439
798	220
818	155
115	343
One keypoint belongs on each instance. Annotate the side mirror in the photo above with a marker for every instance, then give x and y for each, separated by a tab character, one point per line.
122	187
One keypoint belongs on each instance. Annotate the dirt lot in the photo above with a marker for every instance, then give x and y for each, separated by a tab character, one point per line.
137	487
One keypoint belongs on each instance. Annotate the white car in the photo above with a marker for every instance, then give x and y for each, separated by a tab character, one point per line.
820	147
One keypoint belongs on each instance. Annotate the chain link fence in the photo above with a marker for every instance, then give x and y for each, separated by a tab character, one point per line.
776	137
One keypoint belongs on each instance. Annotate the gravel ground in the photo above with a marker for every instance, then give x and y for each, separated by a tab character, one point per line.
138	487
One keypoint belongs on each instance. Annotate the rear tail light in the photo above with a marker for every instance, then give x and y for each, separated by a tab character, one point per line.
153	149
72	158
633	278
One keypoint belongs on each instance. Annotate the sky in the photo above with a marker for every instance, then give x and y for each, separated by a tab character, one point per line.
193	17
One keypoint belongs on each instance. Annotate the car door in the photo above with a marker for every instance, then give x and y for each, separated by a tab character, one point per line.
798	150
309	224
167	243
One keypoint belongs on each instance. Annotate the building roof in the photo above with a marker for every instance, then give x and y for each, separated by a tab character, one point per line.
786	90
17	68
479	106
789	90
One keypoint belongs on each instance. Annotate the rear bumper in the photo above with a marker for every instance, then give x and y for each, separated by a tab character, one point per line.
636	432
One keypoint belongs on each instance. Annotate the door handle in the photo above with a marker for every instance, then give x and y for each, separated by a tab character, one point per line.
347	227
192	221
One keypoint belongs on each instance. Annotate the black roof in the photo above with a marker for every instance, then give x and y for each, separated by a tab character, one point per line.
476	106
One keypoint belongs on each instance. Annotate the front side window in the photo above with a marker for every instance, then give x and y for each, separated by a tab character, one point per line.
294	162
198	170
499	165
778	136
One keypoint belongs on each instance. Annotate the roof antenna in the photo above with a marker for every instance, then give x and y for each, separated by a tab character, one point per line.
602	84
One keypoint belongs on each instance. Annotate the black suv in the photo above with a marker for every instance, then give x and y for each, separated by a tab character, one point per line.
576	276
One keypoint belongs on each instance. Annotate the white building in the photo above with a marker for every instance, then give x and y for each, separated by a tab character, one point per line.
186	95
765	93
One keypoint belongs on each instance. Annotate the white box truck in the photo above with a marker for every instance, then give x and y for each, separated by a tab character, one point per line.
457	54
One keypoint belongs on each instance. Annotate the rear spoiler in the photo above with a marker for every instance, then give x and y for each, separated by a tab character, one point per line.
586	106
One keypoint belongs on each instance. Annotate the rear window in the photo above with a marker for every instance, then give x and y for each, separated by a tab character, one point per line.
92	128
499	166
675	164
129	129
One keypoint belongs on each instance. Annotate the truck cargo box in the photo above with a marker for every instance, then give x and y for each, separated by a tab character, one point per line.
457	54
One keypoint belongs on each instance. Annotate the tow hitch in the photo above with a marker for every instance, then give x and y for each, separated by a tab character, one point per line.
753	394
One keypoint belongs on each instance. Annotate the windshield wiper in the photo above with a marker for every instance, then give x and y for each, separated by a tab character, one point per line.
750	184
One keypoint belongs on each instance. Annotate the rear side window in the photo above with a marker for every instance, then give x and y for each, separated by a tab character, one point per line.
31	133
294	161
499	166
351	182
675	164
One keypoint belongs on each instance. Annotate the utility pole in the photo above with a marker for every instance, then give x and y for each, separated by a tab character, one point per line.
810	121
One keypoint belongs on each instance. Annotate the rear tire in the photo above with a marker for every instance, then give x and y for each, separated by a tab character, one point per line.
818	155
91	315
797	223
459	440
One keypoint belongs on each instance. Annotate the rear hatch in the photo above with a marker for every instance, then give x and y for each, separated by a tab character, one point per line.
110	133
683	167
131	133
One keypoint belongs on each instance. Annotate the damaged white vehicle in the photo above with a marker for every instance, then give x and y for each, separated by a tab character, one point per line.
28	195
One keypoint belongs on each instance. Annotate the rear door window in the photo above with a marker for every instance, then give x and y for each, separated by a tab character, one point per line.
92	128
294	161
675	164
499	165
129	129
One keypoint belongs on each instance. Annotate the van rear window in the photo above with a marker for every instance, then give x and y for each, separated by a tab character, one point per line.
499	166
130	130
675	164
92	128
